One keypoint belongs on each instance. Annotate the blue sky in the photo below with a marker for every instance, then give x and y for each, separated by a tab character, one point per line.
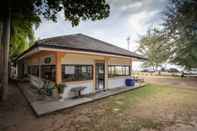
128	18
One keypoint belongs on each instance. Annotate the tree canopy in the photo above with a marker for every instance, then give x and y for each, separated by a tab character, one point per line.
179	36
180	29
13	13
26	13
152	46
74	10
22	37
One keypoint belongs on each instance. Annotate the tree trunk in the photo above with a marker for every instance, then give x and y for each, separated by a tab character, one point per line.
1	54
5	41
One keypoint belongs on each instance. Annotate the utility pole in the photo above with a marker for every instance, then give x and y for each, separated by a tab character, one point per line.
128	43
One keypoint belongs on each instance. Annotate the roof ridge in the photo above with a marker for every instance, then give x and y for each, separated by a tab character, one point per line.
57	37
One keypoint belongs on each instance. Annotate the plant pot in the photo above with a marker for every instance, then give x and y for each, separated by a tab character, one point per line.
60	88
61	97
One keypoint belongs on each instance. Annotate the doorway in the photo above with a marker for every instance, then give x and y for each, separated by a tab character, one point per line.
100	77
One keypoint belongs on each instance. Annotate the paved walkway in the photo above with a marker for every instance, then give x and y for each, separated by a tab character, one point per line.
48	106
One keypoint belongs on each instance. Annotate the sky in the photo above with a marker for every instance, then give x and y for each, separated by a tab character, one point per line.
128	18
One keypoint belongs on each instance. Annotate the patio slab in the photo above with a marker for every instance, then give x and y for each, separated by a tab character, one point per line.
43	107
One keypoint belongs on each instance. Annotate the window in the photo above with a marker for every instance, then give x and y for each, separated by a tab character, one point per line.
33	70
77	72
118	70
48	72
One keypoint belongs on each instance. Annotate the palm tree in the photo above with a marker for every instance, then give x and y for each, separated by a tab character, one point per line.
22	36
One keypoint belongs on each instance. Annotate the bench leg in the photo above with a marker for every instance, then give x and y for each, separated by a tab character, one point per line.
79	93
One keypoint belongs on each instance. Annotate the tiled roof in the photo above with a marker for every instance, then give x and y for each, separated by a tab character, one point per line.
85	43
81	42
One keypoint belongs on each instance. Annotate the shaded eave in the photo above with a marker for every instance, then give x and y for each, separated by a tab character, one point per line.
36	45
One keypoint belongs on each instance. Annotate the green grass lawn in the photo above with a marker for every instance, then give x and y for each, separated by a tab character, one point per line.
151	107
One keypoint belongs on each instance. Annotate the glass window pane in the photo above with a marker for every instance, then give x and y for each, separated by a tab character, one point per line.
48	72
118	70
83	69
69	70
77	72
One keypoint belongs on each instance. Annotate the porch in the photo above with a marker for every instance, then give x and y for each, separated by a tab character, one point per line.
43	106
96	72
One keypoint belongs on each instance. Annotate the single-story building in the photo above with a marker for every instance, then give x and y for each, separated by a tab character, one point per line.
77	60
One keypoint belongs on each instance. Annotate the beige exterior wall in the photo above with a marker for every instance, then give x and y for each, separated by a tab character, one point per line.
119	61
39	57
80	59
60	58
73	58
92	60
118	81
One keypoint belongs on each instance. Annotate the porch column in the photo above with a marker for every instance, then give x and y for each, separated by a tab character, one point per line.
131	62
94	77
58	66
106	72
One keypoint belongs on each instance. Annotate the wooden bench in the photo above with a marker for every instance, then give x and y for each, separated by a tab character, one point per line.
77	90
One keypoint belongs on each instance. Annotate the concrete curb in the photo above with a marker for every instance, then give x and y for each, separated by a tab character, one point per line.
26	98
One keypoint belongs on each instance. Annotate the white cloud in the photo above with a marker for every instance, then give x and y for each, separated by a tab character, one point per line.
139	22
127	18
136	5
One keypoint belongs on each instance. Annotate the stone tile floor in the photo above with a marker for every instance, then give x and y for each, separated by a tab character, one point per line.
43	105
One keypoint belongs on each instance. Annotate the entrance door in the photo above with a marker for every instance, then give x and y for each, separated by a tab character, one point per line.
100	76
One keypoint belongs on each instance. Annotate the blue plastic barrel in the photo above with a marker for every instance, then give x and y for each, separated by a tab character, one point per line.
130	82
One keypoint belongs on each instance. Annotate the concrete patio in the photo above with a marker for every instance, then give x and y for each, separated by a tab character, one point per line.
43	107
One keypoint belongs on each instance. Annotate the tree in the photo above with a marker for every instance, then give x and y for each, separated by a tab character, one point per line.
22	36
5	51
152	46
1	55
25	10
180	29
